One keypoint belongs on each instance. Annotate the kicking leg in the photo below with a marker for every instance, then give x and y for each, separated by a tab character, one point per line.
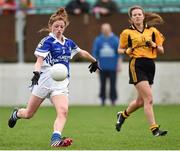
25	113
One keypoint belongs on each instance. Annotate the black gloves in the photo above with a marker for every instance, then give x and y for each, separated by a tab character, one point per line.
93	67
35	78
148	43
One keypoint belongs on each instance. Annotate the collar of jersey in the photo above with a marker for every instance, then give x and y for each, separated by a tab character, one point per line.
134	28
57	40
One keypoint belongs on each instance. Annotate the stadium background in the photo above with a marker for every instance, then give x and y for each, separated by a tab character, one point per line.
19	37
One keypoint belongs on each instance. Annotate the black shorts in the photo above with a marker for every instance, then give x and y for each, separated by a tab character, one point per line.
141	69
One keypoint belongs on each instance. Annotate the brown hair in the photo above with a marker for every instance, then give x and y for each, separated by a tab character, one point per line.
151	19
60	14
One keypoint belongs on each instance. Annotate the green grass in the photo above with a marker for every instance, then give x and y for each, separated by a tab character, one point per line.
92	128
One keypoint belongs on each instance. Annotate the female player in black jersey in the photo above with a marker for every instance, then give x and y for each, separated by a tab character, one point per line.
142	42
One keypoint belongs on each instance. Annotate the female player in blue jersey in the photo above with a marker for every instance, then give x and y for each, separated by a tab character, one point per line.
53	49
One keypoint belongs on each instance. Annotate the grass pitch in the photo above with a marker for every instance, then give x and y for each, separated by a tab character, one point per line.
92	128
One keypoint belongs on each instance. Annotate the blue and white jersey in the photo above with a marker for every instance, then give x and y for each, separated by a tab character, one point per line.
54	51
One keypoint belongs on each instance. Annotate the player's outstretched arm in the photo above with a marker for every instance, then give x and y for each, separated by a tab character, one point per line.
86	55
94	64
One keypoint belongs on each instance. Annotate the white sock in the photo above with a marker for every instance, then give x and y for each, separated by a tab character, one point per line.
57	132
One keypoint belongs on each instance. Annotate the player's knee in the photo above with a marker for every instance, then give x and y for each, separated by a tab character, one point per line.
151	102
63	112
148	98
148	101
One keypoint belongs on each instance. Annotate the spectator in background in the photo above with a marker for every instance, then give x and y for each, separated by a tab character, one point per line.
26	6
9	7
105	51
1	2
77	7
105	7
1	6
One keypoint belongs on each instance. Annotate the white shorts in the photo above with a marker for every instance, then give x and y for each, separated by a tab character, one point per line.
47	87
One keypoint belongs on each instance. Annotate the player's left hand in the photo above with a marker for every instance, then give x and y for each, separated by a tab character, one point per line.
151	44
93	67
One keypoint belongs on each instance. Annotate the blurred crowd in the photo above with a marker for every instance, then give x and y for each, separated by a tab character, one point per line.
77	7
74	7
8	7
101	7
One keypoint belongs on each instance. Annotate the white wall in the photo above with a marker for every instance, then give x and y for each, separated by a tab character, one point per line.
84	87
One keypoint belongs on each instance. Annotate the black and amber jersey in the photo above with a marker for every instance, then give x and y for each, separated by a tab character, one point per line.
137	41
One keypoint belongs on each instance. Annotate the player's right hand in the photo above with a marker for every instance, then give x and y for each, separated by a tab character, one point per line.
35	78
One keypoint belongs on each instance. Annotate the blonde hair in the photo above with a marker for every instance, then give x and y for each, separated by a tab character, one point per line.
60	14
150	19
